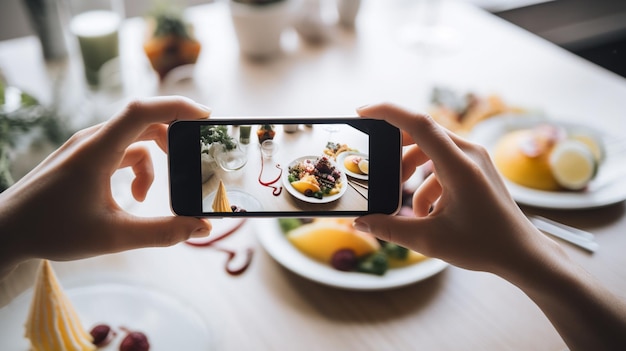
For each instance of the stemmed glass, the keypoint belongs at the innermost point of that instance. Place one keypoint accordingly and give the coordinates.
(425, 32)
(231, 159)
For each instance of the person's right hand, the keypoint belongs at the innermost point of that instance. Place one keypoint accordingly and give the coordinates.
(463, 211)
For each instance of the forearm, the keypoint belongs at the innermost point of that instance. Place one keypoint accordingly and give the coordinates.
(586, 314)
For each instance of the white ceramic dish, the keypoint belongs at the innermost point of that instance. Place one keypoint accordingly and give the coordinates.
(274, 242)
(607, 188)
(298, 195)
(342, 156)
(168, 323)
(236, 197)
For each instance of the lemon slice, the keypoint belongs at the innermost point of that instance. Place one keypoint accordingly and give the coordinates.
(595, 146)
(364, 166)
(573, 164)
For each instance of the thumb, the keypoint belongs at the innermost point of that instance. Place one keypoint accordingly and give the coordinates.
(165, 231)
(405, 231)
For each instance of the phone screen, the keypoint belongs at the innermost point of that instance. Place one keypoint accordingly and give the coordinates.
(281, 168)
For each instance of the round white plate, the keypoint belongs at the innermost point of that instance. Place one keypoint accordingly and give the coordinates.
(168, 323)
(607, 188)
(274, 242)
(342, 156)
(298, 195)
(236, 197)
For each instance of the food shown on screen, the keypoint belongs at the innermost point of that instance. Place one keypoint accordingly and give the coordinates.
(334, 149)
(548, 157)
(315, 177)
(220, 202)
(356, 164)
(337, 243)
(53, 323)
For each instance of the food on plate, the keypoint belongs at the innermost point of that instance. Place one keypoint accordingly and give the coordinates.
(461, 112)
(53, 323)
(548, 157)
(356, 164)
(220, 202)
(134, 341)
(102, 335)
(334, 149)
(573, 164)
(364, 166)
(315, 178)
(171, 42)
(337, 243)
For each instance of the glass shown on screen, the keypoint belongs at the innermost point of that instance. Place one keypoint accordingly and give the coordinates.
(314, 168)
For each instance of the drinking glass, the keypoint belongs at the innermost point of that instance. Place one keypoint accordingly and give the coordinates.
(425, 32)
(230, 160)
(96, 24)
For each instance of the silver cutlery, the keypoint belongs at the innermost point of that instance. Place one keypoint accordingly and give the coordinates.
(572, 235)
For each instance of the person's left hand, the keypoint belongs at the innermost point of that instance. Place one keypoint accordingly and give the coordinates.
(63, 209)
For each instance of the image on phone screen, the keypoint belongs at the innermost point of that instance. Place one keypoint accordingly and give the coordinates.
(284, 168)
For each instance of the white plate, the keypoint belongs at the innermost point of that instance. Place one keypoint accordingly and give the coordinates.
(607, 188)
(236, 197)
(342, 156)
(168, 323)
(275, 243)
(298, 195)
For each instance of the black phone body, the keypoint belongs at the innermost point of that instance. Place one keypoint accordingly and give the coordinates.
(284, 167)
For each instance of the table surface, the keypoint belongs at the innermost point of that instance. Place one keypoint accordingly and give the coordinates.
(268, 307)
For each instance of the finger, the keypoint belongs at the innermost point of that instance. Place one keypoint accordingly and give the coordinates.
(411, 159)
(406, 231)
(161, 231)
(433, 139)
(126, 127)
(426, 195)
(138, 158)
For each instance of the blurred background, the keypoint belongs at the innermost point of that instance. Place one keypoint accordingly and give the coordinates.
(593, 29)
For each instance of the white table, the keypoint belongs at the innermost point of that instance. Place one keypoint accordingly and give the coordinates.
(270, 308)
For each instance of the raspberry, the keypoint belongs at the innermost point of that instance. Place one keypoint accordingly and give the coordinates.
(344, 260)
(102, 335)
(135, 341)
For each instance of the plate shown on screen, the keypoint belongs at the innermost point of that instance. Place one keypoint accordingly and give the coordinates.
(608, 187)
(341, 158)
(276, 244)
(298, 195)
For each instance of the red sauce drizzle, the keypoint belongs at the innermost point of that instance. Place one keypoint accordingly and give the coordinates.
(231, 254)
(276, 190)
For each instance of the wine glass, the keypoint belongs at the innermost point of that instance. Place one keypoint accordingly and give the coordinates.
(231, 159)
(425, 32)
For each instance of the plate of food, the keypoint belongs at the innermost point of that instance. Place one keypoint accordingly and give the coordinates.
(354, 164)
(331, 252)
(554, 164)
(107, 316)
(315, 179)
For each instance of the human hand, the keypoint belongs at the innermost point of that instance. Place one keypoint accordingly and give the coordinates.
(463, 211)
(63, 209)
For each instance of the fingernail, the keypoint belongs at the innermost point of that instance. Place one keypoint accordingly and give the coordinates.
(358, 225)
(203, 107)
(200, 233)
(362, 107)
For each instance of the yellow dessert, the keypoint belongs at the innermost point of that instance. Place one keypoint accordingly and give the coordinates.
(547, 158)
(322, 238)
(220, 202)
(52, 323)
(530, 169)
(352, 164)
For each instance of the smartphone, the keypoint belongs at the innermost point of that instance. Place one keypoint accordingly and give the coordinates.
(284, 167)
